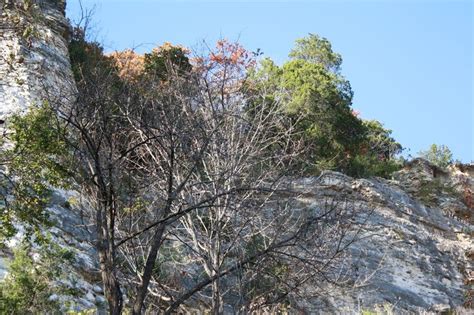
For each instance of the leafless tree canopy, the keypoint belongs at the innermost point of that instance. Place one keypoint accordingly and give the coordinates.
(184, 179)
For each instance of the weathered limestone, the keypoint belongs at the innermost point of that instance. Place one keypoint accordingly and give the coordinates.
(421, 254)
(34, 62)
(35, 67)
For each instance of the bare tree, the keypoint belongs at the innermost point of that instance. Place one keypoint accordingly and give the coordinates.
(178, 159)
(201, 154)
(218, 169)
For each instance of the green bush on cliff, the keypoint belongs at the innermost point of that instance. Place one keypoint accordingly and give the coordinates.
(311, 91)
(439, 155)
(33, 167)
(31, 285)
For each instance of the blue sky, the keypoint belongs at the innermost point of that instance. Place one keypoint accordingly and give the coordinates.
(410, 63)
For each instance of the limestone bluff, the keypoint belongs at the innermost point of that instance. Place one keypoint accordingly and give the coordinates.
(34, 68)
(34, 64)
(418, 250)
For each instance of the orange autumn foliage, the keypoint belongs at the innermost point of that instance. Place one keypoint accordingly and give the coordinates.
(130, 64)
(228, 63)
(231, 53)
(167, 46)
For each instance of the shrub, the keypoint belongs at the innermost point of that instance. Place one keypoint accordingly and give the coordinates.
(28, 287)
(439, 155)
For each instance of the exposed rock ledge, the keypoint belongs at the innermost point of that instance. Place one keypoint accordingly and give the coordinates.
(420, 247)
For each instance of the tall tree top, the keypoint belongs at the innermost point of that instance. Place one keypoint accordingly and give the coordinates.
(314, 48)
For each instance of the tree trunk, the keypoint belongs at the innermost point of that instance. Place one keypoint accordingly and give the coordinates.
(113, 294)
(105, 247)
(147, 273)
(217, 305)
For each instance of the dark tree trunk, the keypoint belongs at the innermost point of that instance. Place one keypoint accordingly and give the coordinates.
(147, 272)
(105, 247)
(112, 289)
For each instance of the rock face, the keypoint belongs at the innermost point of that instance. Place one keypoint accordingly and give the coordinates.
(34, 62)
(35, 67)
(417, 249)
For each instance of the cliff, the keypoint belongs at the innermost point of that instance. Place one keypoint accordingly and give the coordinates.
(35, 67)
(34, 61)
(416, 251)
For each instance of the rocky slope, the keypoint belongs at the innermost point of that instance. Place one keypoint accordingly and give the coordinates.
(419, 247)
(417, 250)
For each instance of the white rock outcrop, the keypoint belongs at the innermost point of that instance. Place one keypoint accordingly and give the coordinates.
(34, 60)
(35, 67)
(419, 248)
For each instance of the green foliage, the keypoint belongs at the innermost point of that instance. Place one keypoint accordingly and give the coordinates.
(87, 58)
(377, 153)
(313, 88)
(379, 140)
(166, 58)
(439, 155)
(39, 135)
(34, 166)
(31, 282)
(137, 207)
(26, 288)
(317, 50)
(313, 93)
(366, 165)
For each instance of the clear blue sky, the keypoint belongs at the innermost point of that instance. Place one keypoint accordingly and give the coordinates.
(410, 63)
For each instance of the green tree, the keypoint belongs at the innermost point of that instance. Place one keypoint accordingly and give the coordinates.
(31, 285)
(439, 155)
(312, 92)
(164, 58)
(379, 140)
(317, 50)
(33, 166)
(378, 153)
